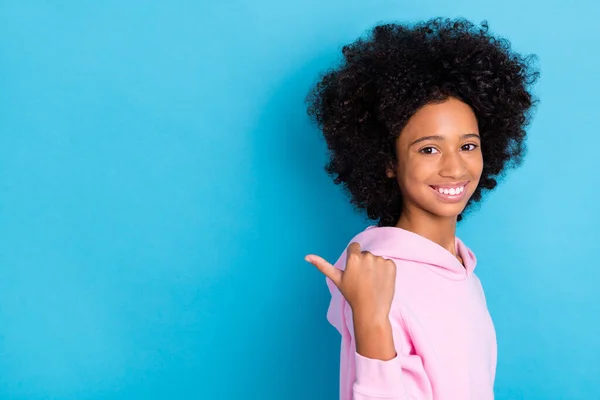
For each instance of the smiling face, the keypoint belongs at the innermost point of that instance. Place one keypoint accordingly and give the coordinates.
(439, 159)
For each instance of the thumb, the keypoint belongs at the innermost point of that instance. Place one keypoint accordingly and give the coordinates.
(326, 268)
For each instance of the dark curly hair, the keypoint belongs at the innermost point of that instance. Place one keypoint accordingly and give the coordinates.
(383, 79)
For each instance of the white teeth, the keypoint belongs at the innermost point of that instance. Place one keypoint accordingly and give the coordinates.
(452, 191)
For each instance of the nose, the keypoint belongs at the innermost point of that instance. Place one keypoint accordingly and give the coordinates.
(452, 165)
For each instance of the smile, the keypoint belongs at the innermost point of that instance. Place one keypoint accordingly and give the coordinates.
(452, 193)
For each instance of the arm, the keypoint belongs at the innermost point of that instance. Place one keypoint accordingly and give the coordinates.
(374, 338)
(376, 360)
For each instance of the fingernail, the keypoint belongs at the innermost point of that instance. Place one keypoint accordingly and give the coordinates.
(308, 259)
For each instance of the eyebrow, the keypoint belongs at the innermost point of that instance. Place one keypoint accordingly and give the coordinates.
(438, 137)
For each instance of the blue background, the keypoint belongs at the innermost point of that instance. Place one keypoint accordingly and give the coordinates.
(160, 184)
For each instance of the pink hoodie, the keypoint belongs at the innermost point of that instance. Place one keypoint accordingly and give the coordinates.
(443, 333)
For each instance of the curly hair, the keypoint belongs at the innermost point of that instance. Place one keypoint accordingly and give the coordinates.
(362, 106)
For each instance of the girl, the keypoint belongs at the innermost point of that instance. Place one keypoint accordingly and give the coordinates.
(419, 121)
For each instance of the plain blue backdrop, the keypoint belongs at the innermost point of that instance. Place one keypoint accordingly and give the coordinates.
(160, 184)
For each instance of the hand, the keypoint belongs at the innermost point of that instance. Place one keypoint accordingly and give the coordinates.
(367, 283)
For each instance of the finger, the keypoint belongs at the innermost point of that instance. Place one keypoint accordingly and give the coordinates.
(354, 248)
(326, 268)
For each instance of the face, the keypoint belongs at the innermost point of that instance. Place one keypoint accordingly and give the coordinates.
(439, 159)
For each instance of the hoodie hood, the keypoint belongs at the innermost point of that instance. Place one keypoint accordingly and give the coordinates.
(400, 244)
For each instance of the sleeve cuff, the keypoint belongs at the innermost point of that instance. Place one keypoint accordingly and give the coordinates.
(378, 377)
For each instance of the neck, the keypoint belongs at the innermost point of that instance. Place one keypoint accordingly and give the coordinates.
(441, 230)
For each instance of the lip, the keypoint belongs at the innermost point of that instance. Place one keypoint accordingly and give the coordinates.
(448, 197)
(451, 185)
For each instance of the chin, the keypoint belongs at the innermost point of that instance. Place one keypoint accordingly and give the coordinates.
(447, 211)
(448, 214)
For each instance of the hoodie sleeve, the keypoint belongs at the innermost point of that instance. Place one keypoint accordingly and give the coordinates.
(361, 378)
(401, 378)
(377, 379)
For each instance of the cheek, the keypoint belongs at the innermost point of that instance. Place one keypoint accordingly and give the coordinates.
(476, 165)
(413, 175)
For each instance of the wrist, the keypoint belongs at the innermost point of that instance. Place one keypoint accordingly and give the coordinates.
(372, 326)
(374, 338)
(372, 319)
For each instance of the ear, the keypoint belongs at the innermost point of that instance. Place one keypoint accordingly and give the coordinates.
(390, 171)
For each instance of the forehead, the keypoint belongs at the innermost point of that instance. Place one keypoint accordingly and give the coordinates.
(450, 118)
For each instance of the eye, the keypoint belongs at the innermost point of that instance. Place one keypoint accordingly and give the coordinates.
(469, 147)
(428, 150)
